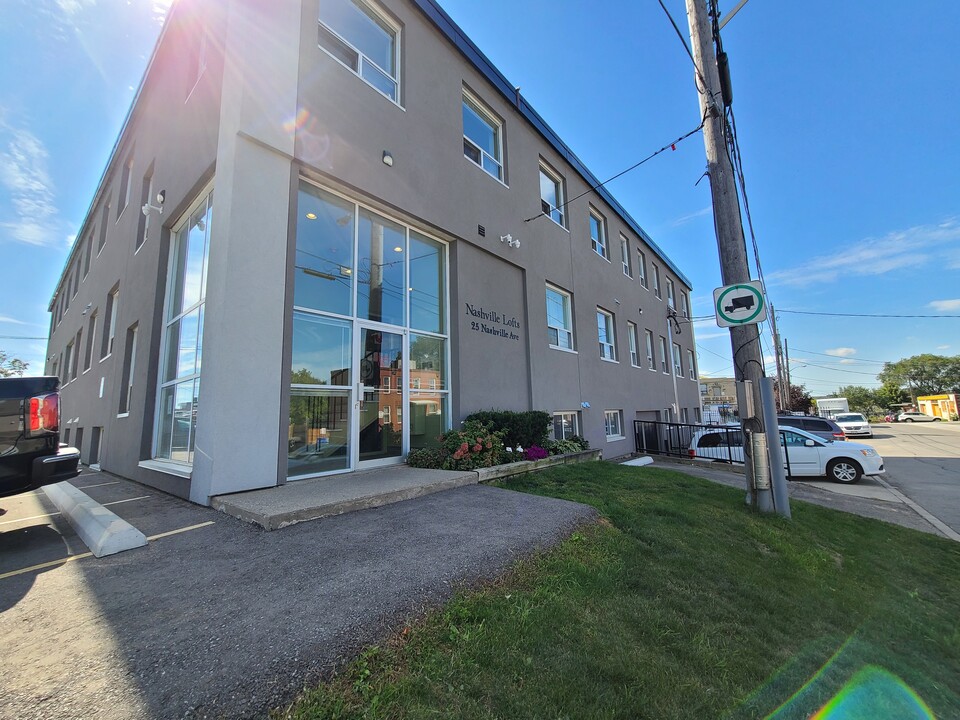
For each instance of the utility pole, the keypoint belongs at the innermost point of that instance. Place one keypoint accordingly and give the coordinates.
(734, 267)
(778, 355)
(786, 367)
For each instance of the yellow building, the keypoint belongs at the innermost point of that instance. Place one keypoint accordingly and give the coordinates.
(939, 406)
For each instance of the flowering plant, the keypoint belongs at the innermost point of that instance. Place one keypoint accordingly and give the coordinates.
(535, 452)
(473, 446)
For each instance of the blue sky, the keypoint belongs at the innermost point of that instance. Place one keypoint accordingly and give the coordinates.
(845, 115)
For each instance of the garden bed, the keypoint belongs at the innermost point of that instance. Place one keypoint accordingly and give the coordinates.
(517, 468)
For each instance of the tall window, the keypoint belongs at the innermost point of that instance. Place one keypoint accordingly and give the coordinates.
(608, 338)
(481, 137)
(671, 299)
(551, 195)
(110, 322)
(86, 256)
(91, 333)
(559, 322)
(677, 361)
(146, 195)
(183, 335)
(104, 217)
(625, 255)
(632, 337)
(129, 372)
(68, 361)
(684, 304)
(648, 337)
(598, 234)
(362, 38)
(663, 355)
(123, 198)
(642, 267)
(656, 281)
(691, 365)
(613, 424)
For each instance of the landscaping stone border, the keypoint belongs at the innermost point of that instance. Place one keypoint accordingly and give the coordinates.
(518, 468)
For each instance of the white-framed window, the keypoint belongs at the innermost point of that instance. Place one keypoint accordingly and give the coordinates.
(360, 36)
(91, 334)
(182, 345)
(642, 267)
(104, 219)
(598, 234)
(671, 297)
(663, 355)
(565, 425)
(482, 134)
(110, 321)
(656, 281)
(386, 417)
(632, 338)
(613, 424)
(86, 257)
(607, 335)
(146, 195)
(677, 361)
(551, 195)
(559, 319)
(684, 304)
(648, 338)
(129, 370)
(684, 415)
(625, 255)
(123, 198)
(68, 361)
(691, 365)
(385, 384)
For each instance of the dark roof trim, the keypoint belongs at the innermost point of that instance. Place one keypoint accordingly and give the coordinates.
(482, 63)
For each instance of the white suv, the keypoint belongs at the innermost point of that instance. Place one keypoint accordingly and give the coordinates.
(915, 416)
(854, 424)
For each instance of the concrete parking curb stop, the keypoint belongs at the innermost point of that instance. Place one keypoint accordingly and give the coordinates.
(102, 531)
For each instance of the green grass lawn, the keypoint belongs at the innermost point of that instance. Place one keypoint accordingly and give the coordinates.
(680, 603)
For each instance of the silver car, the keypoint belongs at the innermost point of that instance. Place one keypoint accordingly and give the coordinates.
(854, 425)
(916, 416)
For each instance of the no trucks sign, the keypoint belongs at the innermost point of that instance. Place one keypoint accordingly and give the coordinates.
(740, 304)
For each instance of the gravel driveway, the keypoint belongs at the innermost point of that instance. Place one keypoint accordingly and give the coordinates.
(228, 620)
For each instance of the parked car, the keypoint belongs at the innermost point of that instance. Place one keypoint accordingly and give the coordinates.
(854, 424)
(30, 451)
(819, 426)
(916, 416)
(805, 454)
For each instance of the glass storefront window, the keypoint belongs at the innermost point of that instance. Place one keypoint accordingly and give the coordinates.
(428, 365)
(322, 351)
(428, 419)
(319, 436)
(427, 284)
(380, 269)
(324, 259)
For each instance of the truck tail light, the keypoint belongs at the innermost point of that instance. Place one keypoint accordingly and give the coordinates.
(839, 436)
(44, 413)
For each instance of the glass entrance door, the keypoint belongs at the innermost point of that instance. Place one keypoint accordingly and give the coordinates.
(381, 396)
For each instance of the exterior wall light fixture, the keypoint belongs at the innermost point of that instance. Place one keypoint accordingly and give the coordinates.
(387, 158)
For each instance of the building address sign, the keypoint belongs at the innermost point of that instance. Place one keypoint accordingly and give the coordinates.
(490, 322)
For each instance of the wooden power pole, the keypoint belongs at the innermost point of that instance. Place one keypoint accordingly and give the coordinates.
(734, 267)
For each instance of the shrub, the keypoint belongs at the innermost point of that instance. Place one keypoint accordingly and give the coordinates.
(562, 447)
(535, 452)
(473, 446)
(525, 429)
(429, 458)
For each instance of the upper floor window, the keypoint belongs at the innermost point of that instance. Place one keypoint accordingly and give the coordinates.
(656, 281)
(559, 323)
(625, 255)
(691, 365)
(598, 234)
(677, 362)
(671, 296)
(123, 199)
(663, 355)
(649, 341)
(684, 304)
(632, 337)
(642, 267)
(608, 338)
(481, 137)
(362, 38)
(551, 195)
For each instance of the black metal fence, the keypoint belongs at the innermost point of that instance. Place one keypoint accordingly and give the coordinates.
(689, 440)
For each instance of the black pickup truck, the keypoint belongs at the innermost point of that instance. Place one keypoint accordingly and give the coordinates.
(30, 450)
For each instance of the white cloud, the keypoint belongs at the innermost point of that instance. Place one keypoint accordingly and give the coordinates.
(23, 173)
(14, 321)
(945, 305)
(943, 347)
(920, 246)
(841, 352)
(848, 361)
(692, 216)
(71, 8)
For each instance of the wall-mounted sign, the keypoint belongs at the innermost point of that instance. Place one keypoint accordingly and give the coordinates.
(491, 322)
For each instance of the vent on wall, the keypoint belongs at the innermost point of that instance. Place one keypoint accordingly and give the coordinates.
(482, 230)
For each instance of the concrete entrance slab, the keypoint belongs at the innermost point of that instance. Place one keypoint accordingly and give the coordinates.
(302, 500)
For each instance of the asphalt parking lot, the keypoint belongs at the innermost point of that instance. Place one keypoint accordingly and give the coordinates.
(216, 618)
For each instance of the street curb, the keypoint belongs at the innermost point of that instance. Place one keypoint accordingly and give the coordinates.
(101, 530)
(936, 522)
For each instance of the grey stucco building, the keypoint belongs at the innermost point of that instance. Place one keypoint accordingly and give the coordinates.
(343, 240)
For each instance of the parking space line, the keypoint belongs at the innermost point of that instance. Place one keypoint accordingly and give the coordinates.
(87, 487)
(71, 558)
(181, 530)
(38, 517)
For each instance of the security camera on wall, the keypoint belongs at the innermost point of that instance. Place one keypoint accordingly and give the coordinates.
(158, 208)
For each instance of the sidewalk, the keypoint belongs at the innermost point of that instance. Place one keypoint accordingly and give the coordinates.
(868, 498)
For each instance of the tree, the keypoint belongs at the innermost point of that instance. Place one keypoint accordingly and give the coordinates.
(11, 367)
(923, 374)
(861, 399)
(798, 401)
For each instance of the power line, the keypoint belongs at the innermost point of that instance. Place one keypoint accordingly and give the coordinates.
(813, 352)
(806, 312)
(672, 145)
(683, 41)
(804, 363)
